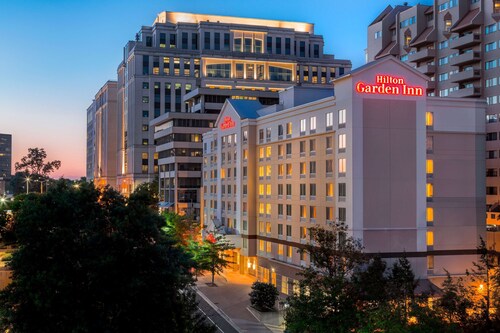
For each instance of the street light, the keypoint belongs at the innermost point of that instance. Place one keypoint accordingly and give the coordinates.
(27, 184)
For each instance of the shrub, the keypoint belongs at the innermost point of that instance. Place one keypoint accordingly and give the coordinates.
(263, 296)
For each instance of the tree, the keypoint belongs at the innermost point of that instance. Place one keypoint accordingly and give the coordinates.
(327, 298)
(401, 286)
(211, 254)
(455, 301)
(184, 229)
(263, 296)
(90, 260)
(34, 166)
(371, 283)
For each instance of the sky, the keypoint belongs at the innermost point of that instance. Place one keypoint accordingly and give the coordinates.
(56, 54)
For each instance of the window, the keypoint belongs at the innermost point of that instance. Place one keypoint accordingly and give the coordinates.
(302, 189)
(329, 166)
(217, 41)
(491, 118)
(490, 64)
(312, 190)
(302, 168)
(289, 148)
(145, 114)
(490, 28)
(342, 117)
(288, 129)
(194, 41)
(329, 189)
(302, 126)
(407, 22)
(490, 46)
(280, 131)
(430, 214)
(329, 213)
(378, 34)
(313, 124)
(342, 214)
(429, 119)
(429, 190)
(145, 99)
(491, 190)
(342, 190)
(288, 189)
(491, 136)
(312, 212)
(312, 168)
(207, 40)
(430, 262)
(342, 165)
(219, 70)
(430, 167)
(312, 146)
(145, 142)
(303, 211)
(442, 61)
(289, 231)
(329, 119)
(430, 238)
(289, 169)
(328, 143)
(288, 210)
(342, 140)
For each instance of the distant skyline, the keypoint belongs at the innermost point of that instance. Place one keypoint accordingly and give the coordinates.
(56, 55)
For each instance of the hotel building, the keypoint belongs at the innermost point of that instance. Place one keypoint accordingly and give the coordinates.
(455, 43)
(175, 77)
(102, 136)
(5, 161)
(402, 170)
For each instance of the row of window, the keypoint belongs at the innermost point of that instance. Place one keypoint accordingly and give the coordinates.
(243, 41)
(171, 94)
(170, 66)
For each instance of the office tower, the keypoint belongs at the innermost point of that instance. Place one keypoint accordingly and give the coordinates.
(102, 122)
(175, 77)
(5, 161)
(455, 44)
(403, 172)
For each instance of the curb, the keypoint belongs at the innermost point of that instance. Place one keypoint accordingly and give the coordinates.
(218, 310)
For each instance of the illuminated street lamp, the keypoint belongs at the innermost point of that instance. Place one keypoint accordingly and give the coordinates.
(27, 184)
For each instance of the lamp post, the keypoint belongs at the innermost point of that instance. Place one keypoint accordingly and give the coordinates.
(27, 184)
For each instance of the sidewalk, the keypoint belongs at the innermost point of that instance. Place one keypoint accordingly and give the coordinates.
(231, 296)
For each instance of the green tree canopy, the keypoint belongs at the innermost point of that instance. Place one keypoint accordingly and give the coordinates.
(90, 260)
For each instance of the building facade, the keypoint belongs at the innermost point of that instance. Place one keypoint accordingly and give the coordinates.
(403, 171)
(102, 136)
(5, 162)
(190, 63)
(455, 44)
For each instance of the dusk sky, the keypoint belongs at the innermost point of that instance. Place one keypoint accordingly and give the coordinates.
(56, 54)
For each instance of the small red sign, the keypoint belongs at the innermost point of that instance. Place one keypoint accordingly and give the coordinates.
(228, 122)
(389, 85)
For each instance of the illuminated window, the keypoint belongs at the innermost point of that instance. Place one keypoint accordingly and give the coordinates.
(329, 213)
(342, 117)
(430, 214)
(268, 151)
(268, 171)
(430, 262)
(407, 39)
(312, 212)
(268, 189)
(496, 6)
(342, 165)
(261, 152)
(429, 119)
(329, 119)
(261, 189)
(313, 123)
(223, 173)
(281, 170)
(302, 126)
(261, 171)
(268, 227)
(329, 189)
(268, 208)
(302, 168)
(289, 251)
(430, 167)
(261, 208)
(261, 245)
(303, 232)
(261, 227)
(284, 279)
(342, 141)
(280, 250)
(245, 154)
(281, 151)
(288, 128)
(289, 169)
(430, 238)
(430, 190)
(303, 213)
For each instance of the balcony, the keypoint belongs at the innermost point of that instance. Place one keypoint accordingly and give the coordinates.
(465, 41)
(422, 55)
(465, 59)
(427, 69)
(467, 75)
(431, 85)
(466, 92)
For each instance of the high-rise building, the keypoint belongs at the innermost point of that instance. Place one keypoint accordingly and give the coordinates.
(102, 122)
(456, 44)
(404, 172)
(176, 76)
(5, 161)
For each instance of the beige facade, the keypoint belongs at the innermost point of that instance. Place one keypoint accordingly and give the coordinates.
(456, 44)
(102, 122)
(403, 171)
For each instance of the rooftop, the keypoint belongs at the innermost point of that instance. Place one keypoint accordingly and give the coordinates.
(176, 17)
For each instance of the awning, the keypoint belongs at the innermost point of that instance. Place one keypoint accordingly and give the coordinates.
(388, 50)
(470, 20)
(427, 36)
(164, 204)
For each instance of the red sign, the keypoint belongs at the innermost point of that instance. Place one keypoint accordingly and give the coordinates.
(228, 122)
(389, 85)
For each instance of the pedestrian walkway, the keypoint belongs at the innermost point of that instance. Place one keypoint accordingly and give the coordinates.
(231, 297)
